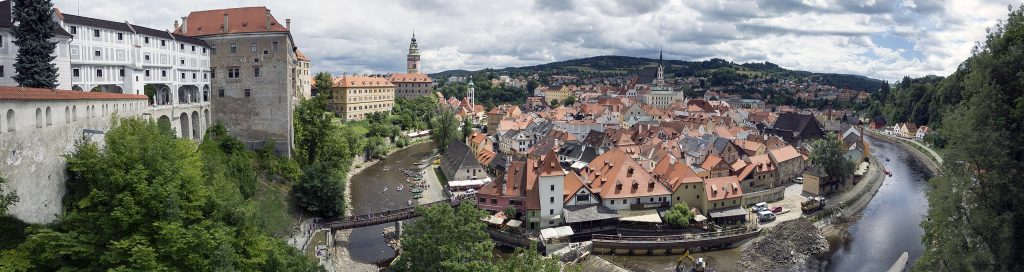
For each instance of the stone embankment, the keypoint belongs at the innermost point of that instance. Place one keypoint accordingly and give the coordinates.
(786, 247)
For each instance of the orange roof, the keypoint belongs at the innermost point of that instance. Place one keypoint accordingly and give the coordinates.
(240, 20)
(549, 166)
(397, 77)
(615, 174)
(722, 188)
(300, 56)
(710, 162)
(477, 137)
(485, 156)
(571, 184)
(361, 81)
(785, 153)
(20, 93)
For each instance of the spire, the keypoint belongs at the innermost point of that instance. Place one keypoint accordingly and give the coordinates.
(661, 55)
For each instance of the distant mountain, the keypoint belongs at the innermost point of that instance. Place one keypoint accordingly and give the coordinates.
(602, 66)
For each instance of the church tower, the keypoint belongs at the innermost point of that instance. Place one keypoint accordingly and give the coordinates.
(413, 59)
(469, 92)
(660, 80)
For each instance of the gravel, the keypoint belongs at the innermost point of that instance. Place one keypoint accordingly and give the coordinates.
(787, 247)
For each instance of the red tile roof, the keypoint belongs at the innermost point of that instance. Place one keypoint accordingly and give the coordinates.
(361, 81)
(300, 56)
(549, 166)
(240, 20)
(20, 93)
(722, 188)
(410, 78)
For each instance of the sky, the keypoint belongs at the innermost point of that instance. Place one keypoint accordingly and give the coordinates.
(885, 39)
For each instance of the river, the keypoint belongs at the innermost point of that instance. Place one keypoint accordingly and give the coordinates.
(366, 244)
(891, 223)
(888, 226)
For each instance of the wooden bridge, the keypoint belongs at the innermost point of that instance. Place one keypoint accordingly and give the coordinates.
(668, 244)
(389, 216)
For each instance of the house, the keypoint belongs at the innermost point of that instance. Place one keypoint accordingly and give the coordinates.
(479, 141)
(908, 130)
(788, 160)
(796, 128)
(623, 184)
(759, 173)
(459, 163)
(682, 180)
(724, 200)
(576, 154)
(814, 178)
(922, 131)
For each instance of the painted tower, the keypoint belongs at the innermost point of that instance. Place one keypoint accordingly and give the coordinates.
(413, 59)
(470, 92)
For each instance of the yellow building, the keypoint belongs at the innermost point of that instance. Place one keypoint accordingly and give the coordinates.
(356, 96)
(558, 92)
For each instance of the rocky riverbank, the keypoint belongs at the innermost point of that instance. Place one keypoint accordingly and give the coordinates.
(786, 247)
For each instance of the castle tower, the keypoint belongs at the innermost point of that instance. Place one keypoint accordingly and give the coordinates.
(413, 59)
(469, 92)
(660, 80)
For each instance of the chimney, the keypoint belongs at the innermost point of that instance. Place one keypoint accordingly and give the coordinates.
(176, 25)
(268, 19)
(184, 25)
(288, 24)
(224, 29)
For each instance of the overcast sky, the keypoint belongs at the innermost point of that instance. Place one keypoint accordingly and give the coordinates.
(884, 39)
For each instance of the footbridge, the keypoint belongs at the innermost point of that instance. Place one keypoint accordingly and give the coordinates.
(389, 216)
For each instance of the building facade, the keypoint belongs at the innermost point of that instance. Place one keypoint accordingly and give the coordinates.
(356, 96)
(253, 67)
(412, 85)
(9, 51)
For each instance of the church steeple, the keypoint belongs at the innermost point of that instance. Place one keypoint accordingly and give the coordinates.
(660, 80)
(413, 59)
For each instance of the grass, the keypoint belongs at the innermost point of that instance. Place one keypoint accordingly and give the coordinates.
(272, 203)
(319, 238)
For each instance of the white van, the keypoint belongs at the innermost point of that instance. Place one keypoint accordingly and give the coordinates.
(762, 206)
(765, 216)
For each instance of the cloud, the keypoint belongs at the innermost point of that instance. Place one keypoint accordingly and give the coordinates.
(878, 38)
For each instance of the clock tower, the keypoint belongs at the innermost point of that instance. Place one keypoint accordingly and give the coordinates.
(413, 59)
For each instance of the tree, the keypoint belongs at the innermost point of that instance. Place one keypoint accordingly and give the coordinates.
(828, 154)
(446, 239)
(554, 103)
(467, 127)
(444, 128)
(32, 34)
(323, 84)
(312, 125)
(679, 216)
(569, 101)
(976, 205)
(147, 201)
(6, 199)
(321, 190)
(528, 259)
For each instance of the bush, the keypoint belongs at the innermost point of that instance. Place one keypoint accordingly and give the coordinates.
(679, 216)
(321, 190)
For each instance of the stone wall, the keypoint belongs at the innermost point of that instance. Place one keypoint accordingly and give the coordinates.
(31, 152)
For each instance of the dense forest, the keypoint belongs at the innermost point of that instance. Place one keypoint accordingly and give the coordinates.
(602, 66)
(976, 205)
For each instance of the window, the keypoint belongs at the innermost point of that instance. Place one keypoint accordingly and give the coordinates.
(213, 72)
(120, 36)
(256, 73)
(74, 30)
(247, 92)
(163, 42)
(552, 187)
(233, 72)
(163, 73)
(483, 200)
(582, 197)
(220, 92)
(204, 50)
(193, 75)
(194, 49)
(121, 72)
(551, 211)
(552, 199)
(146, 57)
(252, 46)
(99, 73)
(96, 33)
(183, 47)
(204, 75)
(1, 71)
(147, 73)
(182, 75)
(234, 48)
(145, 39)
(1, 41)
(613, 202)
(494, 201)
(75, 73)
(98, 53)
(182, 61)
(213, 49)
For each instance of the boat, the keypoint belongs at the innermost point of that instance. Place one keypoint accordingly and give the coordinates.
(886, 159)
(384, 190)
(399, 188)
(416, 190)
(887, 172)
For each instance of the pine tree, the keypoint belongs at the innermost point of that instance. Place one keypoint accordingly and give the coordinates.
(32, 33)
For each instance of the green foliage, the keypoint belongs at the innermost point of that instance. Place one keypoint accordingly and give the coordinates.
(527, 259)
(976, 205)
(149, 202)
(376, 147)
(328, 151)
(569, 101)
(276, 168)
(312, 125)
(225, 157)
(415, 114)
(7, 198)
(323, 82)
(511, 212)
(679, 216)
(321, 190)
(12, 232)
(444, 129)
(32, 33)
(827, 153)
(467, 127)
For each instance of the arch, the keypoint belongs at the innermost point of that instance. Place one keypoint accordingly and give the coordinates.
(67, 114)
(185, 131)
(206, 93)
(206, 115)
(195, 126)
(49, 117)
(39, 118)
(161, 94)
(164, 123)
(74, 113)
(77, 88)
(12, 125)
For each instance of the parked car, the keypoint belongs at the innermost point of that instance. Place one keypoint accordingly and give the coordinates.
(777, 209)
(471, 191)
(761, 206)
(799, 180)
(765, 216)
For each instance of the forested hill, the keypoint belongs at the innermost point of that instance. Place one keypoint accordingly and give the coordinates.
(602, 66)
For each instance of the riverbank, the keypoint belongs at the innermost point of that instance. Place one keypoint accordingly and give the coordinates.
(340, 249)
(932, 161)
